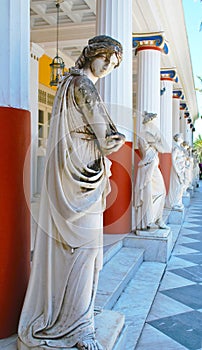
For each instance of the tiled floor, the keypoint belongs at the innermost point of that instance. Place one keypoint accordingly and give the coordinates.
(175, 319)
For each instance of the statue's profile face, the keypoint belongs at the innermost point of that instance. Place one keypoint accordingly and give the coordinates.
(103, 64)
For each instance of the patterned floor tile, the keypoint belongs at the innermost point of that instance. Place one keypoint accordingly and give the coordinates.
(169, 282)
(189, 224)
(188, 238)
(152, 339)
(166, 307)
(188, 295)
(194, 245)
(196, 258)
(196, 235)
(176, 262)
(181, 249)
(193, 273)
(185, 328)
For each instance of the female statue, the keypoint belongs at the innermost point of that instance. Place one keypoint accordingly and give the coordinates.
(177, 175)
(150, 188)
(58, 310)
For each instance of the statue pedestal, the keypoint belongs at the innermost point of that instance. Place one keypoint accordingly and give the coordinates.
(186, 199)
(176, 216)
(157, 243)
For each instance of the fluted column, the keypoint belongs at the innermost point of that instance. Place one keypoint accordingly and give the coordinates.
(188, 128)
(114, 18)
(35, 52)
(183, 108)
(168, 77)
(148, 48)
(177, 95)
(14, 161)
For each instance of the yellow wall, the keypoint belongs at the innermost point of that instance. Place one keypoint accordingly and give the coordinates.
(44, 71)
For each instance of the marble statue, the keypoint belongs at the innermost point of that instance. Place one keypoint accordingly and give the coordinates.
(195, 169)
(177, 174)
(188, 167)
(58, 311)
(150, 189)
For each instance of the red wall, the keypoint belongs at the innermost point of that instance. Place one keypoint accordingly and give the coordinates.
(117, 216)
(165, 162)
(15, 216)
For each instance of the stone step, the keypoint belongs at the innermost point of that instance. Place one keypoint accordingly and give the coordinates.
(137, 298)
(109, 325)
(115, 276)
(111, 250)
(121, 343)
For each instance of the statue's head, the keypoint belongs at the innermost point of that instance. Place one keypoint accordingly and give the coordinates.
(178, 138)
(98, 46)
(148, 117)
(185, 144)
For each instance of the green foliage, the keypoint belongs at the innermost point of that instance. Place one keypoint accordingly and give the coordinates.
(198, 147)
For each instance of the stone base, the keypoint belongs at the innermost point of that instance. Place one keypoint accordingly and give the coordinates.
(186, 199)
(157, 243)
(176, 216)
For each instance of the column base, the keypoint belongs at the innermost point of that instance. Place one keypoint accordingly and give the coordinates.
(176, 216)
(157, 243)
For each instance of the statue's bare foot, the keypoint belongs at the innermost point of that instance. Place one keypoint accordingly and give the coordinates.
(90, 344)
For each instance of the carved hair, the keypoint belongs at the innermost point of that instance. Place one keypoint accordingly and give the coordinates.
(148, 117)
(185, 144)
(176, 137)
(101, 44)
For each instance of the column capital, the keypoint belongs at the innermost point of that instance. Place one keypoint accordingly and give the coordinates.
(183, 105)
(178, 93)
(169, 74)
(150, 41)
(186, 114)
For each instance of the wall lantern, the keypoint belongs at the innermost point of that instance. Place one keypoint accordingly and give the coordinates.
(57, 65)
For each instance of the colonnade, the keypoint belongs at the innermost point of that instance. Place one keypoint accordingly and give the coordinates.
(154, 94)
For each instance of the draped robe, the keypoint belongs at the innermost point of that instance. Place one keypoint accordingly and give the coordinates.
(177, 177)
(59, 303)
(149, 188)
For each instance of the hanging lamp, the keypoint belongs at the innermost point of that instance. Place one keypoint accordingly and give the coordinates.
(57, 65)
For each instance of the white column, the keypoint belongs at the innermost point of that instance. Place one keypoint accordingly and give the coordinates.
(114, 18)
(183, 106)
(36, 53)
(148, 49)
(176, 111)
(14, 57)
(187, 129)
(168, 76)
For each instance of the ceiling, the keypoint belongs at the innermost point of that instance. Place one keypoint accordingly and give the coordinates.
(77, 23)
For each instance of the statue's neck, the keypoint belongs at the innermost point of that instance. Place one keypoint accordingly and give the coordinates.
(90, 75)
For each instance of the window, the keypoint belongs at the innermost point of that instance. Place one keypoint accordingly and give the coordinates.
(45, 98)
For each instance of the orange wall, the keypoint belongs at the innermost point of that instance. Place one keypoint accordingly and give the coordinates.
(44, 71)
